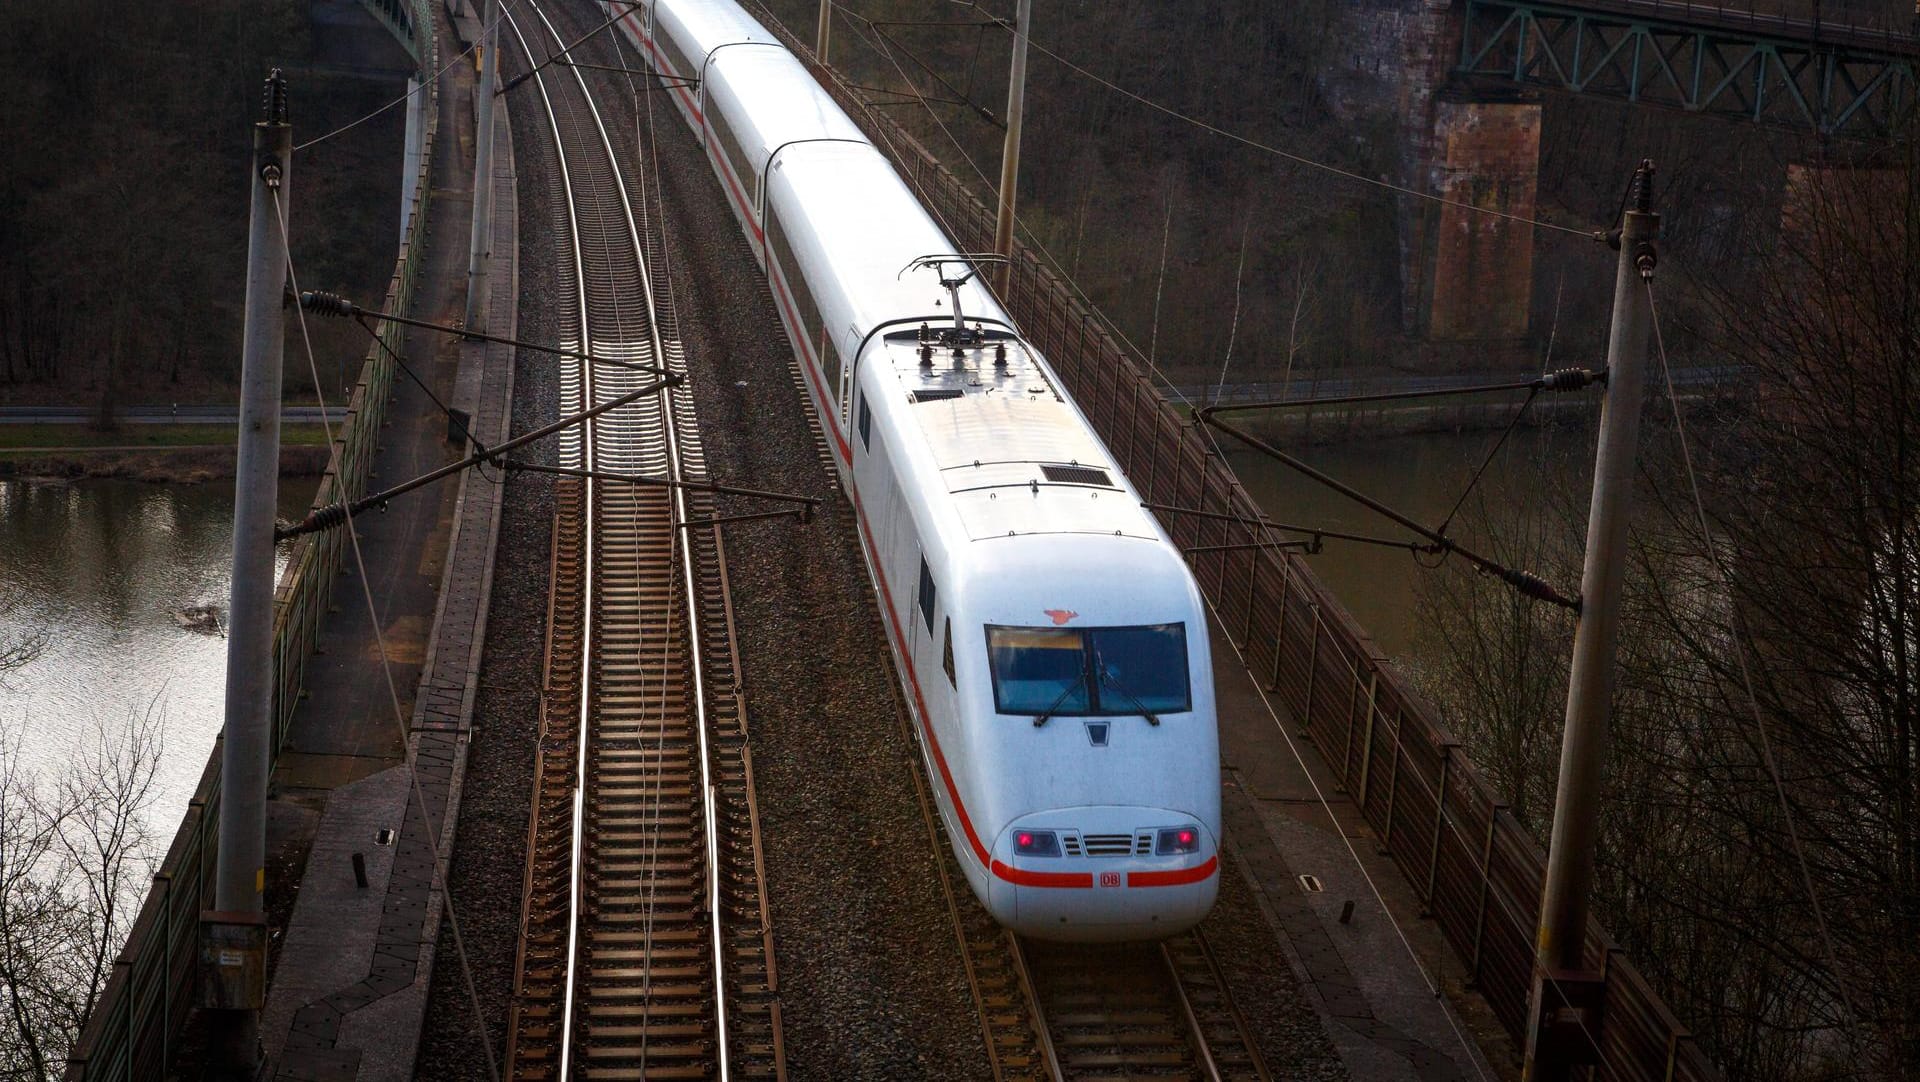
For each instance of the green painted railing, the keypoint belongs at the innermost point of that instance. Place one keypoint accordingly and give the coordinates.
(133, 1028)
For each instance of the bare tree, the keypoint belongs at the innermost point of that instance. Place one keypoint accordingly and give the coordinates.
(75, 852)
(1761, 850)
(21, 641)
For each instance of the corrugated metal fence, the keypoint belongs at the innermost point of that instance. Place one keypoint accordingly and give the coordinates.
(1475, 868)
(134, 1025)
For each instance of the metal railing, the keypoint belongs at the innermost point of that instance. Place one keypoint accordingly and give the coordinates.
(131, 1031)
(1831, 78)
(1476, 869)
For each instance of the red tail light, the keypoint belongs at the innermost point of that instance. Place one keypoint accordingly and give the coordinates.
(1176, 840)
(1036, 843)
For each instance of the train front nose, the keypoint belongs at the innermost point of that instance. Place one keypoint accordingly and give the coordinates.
(1102, 874)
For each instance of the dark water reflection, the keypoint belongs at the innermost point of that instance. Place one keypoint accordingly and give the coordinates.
(1421, 476)
(103, 567)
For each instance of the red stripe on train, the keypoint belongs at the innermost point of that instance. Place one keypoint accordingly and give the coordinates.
(1175, 878)
(1020, 877)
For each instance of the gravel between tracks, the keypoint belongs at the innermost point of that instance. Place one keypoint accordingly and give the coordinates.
(871, 977)
(1279, 1016)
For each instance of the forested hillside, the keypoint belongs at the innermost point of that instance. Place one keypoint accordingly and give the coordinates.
(123, 198)
(1109, 183)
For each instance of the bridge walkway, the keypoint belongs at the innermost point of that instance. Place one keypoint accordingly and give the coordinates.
(348, 989)
(1308, 854)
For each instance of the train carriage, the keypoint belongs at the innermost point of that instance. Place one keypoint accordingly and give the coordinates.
(1051, 641)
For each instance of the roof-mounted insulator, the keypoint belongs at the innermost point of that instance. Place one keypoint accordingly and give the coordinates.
(273, 98)
(326, 304)
(1000, 355)
(1570, 379)
(926, 356)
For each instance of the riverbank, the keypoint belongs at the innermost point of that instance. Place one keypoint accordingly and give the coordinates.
(162, 454)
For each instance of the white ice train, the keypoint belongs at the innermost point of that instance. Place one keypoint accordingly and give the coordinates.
(1052, 643)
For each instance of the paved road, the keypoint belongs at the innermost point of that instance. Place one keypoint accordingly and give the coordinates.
(159, 415)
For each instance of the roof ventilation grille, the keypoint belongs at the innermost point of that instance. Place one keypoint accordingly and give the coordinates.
(938, 394)
(1077, 475)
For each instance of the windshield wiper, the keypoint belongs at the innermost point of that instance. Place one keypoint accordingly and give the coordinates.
(1041, 719)
(1107, 677)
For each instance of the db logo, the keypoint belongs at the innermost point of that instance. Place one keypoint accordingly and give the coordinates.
(1109, 879)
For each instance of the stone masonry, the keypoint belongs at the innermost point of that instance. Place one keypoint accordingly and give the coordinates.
(1486, 154)
(1393, 59)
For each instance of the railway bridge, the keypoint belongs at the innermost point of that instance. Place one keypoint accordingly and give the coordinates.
(1466, 83)
(693, 837)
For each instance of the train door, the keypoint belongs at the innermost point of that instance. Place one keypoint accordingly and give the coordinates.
(850, 359)
(704, 102)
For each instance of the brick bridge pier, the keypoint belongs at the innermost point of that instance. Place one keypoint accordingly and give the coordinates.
(1464, 277)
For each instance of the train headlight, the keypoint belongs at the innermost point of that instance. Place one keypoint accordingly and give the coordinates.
(1176, 840)
(1036, 843)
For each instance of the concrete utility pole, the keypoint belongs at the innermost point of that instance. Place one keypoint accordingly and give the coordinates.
(1566, 995)
(233, 935)
(480, 244)
(826, 27)
(1010, 157)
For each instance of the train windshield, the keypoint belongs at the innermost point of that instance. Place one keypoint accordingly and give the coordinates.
(1085, 672)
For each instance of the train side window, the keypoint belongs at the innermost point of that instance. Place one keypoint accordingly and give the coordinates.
(866, 424)
(926, 593)
(946, 652)
(677, 62)
(730, 147)
(804, 309)
(830, 364)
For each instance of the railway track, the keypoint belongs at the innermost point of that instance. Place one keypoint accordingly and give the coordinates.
(645, 949)
(1137, 1011)
(1053, 1012)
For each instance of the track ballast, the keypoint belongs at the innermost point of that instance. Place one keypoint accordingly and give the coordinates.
(645, 948)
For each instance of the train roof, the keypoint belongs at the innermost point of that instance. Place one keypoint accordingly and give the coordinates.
(800, 111)
(850, 192)
(715, 22)
(1014, 455)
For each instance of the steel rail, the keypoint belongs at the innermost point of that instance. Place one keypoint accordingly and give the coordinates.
(1197, 1036)
(1036, 1011)
(632, 732)
(676, 469)
(586, 458)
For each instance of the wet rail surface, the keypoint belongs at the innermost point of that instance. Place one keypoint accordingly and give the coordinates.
(645, 947)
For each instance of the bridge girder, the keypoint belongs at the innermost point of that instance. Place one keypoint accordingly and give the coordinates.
(1836, 81)
(401, 18)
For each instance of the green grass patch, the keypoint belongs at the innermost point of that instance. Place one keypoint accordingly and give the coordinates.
(144, 437)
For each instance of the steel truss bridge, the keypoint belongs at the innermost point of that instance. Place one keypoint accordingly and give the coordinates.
(1834, 79)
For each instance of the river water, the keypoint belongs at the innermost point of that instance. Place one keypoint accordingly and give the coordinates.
(103, 566)
(1422, 476)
